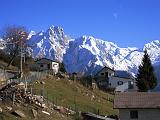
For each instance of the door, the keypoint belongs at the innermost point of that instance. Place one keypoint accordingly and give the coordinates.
(49, 67)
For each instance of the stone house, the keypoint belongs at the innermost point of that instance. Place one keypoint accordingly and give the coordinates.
(45, 64)
(102, 77)
(138, 105)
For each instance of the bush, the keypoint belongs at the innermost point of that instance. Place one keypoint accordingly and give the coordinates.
(113, 116)
(86, 81)
(110, 90)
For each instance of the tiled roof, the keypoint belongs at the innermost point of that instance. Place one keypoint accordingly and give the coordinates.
(137, 100)
(46, 59)
(123, 74)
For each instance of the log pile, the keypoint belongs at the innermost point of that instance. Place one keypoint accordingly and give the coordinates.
(16, 92)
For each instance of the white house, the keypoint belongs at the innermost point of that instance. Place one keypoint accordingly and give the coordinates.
(120, 78)
(44, 64)
(138, 105)
(122, 81)
(115, 81)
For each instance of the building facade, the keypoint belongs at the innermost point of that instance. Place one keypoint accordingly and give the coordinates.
(115, 81)
(138, 105)
(45, 64)
(102, 77)
(109, 78)
(139, 114)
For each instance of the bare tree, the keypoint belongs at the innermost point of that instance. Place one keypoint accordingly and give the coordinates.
(16, 41)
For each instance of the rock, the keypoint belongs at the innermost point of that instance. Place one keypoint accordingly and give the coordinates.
(22, 85)
(34, 113)
(1, 110)
(62, 110)
(39, 99)
(46, 112)
(71, 112)
(57, 107)
(25, 105)
(92, 97)
(42, 82)
(19, 113)
(9, 108)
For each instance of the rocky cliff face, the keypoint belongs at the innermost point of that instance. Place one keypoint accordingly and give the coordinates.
(51, 44)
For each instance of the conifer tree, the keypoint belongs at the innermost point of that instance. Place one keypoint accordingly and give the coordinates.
(146, 80)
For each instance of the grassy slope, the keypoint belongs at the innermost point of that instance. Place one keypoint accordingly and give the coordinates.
(67, 93)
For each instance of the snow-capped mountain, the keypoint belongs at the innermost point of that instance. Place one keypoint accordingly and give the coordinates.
(153, 49)
(87, 54)
(51, 44)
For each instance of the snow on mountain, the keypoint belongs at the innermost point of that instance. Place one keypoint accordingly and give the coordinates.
(2, 44)
(51, 44)
(153, 49)
(87, 54)
(31, 34)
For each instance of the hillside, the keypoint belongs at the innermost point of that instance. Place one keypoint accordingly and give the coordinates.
(63, 93)
(73, 95)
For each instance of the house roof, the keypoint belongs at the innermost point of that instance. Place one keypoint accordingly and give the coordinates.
(123, 74)
(137, 100)
(46, 59)
(108, 68)
(104, 68)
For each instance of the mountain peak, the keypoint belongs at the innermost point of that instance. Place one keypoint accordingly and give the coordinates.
(152, 45)
(157, 42)
(55, 30)
(87, 37)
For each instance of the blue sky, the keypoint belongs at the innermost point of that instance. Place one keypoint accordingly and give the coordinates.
(125, 22)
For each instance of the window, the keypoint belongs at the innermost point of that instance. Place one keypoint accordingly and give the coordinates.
(102, 73)
(134, 114)
(106, 74)
(130, 85)
(41, 65)
(54, 65)
(48, 66)
(120, 82)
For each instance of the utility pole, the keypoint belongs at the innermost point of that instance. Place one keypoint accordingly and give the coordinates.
(21, 70)
(75, 105)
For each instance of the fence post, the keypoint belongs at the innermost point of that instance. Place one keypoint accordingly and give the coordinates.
(75, 106)
(13, 98)
(47, 97)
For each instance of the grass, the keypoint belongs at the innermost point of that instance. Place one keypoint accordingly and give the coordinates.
(73, 95)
